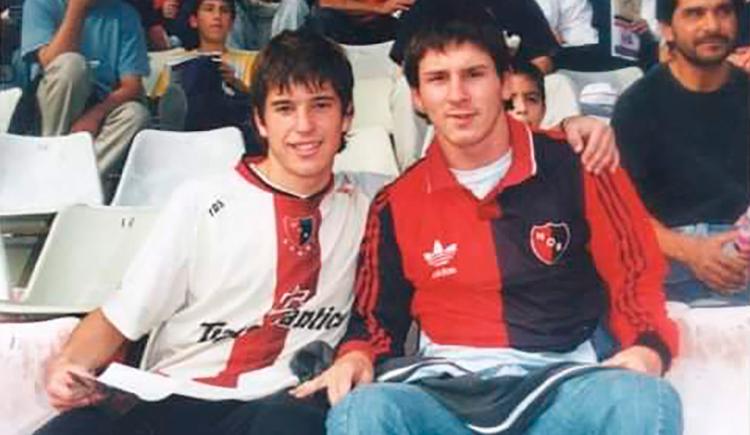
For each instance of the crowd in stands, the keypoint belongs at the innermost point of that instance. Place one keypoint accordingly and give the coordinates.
(525, 252)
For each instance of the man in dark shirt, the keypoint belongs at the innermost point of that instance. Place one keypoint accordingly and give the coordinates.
(684, 130)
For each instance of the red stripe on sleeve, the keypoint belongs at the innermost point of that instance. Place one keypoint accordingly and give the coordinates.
(627, 256)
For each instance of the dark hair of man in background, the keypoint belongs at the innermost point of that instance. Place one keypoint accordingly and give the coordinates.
(665, 9)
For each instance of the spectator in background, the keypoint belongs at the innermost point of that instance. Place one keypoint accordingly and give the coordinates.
(684, 129)
(177, 23)
(208, 105)
(92, 56)
(570, 21)
(358, 22)
(291, 15)
(522, 18)
(598, 57)
(153, 24)
(252, 25)
(525, 98)
(741, 55)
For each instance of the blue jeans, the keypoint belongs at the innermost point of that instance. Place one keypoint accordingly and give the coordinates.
(682, 286)
(604, 402)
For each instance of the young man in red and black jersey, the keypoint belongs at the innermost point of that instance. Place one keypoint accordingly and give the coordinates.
(498, 244)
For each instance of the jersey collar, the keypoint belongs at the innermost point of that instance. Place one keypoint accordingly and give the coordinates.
(522, 167)
(243, 167)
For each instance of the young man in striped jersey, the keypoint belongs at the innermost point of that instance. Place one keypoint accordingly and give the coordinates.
(499, 244)
(240, 272)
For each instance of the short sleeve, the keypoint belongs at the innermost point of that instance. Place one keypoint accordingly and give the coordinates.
(133, 54)
(39, 23)
(155, 285)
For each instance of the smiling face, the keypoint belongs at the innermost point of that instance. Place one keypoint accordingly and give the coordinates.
(213, 20)
(303, 127)
(702, 32)
(460, 91)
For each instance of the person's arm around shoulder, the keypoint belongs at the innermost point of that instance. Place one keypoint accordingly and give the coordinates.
(594, 140)
(92, 344)
(68, 35)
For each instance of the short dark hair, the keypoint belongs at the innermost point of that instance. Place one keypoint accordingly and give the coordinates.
(300, 57)
(197, 4)
(454, 22)
(530, 70)
(665, 9)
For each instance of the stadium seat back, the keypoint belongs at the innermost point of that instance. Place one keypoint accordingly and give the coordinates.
(371, 61)
(159, 161)
(83, 259)
(47, 173)
(562, 99)
(620, 79)
(367, 150)
(8, 100)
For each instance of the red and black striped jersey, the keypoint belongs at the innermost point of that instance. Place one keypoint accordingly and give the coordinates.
(534, 266)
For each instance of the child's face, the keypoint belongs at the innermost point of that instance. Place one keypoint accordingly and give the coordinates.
(528, 104)
(213, 20)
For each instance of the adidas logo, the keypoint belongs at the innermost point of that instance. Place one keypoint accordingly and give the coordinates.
(440, 255)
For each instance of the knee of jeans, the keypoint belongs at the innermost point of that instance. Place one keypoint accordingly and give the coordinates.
(71, 67)
(643, 399)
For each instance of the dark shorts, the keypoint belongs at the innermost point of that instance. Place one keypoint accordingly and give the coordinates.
(279, 414)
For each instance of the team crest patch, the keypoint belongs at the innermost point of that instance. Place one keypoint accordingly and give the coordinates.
(549, 241)
(299, 233)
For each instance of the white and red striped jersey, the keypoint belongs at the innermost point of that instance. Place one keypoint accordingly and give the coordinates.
(237, 276)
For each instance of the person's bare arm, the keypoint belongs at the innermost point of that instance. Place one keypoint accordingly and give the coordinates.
(365, 6)
(68, 36)
(705, 257)
(594, 140)
(69, 376)
(129, 88)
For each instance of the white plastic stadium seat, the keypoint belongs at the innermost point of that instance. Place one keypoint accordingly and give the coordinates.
(4, 275)
(620, 79)
(370, 61)
(562, 99)
(382, 98)
(159, 161)
(367, 150)
(82, 261)
(8, 100)
(712, 371)
(47, 173)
